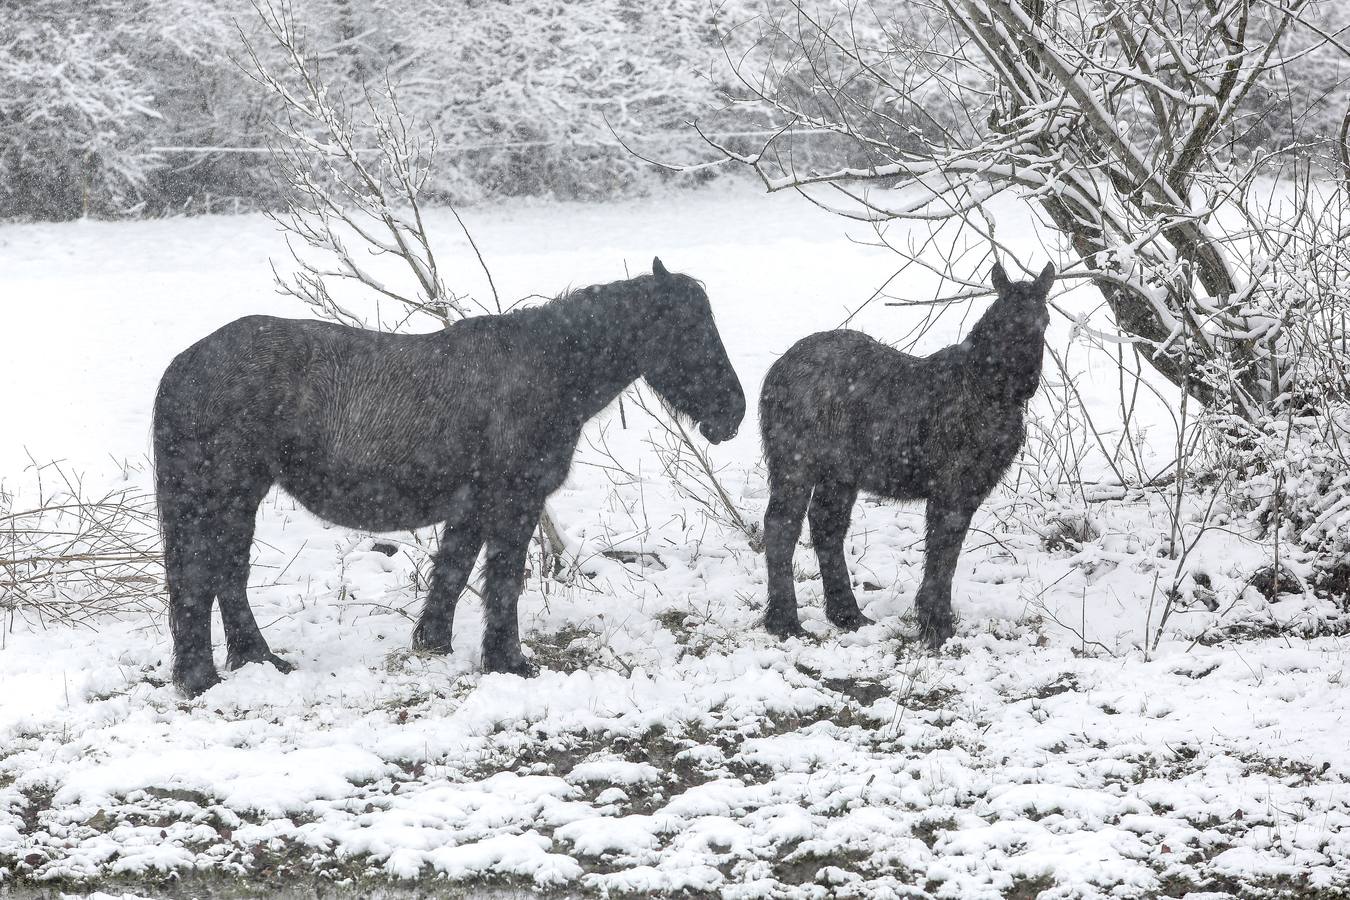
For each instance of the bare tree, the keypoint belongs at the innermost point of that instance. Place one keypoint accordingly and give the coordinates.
(353, 186)
(355, 183)
(1127, 123)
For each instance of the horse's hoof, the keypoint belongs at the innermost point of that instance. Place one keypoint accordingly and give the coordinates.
(935, 633)
(235, 661)
(785, 630)
(195, 680)
(850, 620)
(514, 666)
(425, 642)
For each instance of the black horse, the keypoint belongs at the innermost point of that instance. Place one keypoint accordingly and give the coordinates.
(473, 426)
(841, 412)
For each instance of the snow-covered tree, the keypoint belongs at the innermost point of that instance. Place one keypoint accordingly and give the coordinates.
(523, 93)
(1127, 123)
(87, 90)
(73, 112)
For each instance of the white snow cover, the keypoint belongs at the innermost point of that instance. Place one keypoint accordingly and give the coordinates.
(669, 744)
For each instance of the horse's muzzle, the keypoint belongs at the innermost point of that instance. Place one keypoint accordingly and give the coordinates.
(716, 433)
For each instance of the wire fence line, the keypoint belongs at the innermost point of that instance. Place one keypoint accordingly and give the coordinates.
(509, 145)
(233, 199)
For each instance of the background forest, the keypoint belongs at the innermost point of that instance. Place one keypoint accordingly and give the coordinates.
(520, 95)
(516, 93)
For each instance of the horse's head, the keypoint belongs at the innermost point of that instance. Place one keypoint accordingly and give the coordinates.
(1022, 304)
(685, 361)
(1008, 341)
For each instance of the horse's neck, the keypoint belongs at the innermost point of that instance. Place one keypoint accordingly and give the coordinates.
(596, 350)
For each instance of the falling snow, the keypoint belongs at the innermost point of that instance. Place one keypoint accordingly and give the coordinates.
(668, 744)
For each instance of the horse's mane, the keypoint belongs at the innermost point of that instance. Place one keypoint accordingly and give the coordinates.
(585, 309)
(583, 306)
(597, 305)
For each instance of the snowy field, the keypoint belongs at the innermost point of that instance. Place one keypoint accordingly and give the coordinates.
(669, 744)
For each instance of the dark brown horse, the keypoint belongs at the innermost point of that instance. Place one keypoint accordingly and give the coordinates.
(841, 412)
(473, 426)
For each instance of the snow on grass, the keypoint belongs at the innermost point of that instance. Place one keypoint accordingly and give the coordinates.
(669, 744)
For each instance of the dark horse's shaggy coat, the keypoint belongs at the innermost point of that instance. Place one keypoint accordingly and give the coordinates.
(841, 412)
(473, 426)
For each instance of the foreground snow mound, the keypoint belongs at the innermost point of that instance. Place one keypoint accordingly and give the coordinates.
(670, 745)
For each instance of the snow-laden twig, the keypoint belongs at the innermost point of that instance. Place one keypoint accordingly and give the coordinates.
(71, 556)
(690, 469)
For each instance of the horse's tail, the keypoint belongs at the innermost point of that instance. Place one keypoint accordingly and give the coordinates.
(214, 412)
(769, 407)
(777, 404)
(177, 452)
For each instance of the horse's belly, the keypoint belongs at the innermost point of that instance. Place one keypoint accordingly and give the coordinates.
(900, 477)
(371, 501)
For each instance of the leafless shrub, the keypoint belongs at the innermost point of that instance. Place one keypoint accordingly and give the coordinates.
(355, 175)
(72, 555)
(690, 469)
(1294, 464)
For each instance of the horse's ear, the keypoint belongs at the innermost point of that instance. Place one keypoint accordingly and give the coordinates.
(659, 270)
(999, 278)
(1046, 278)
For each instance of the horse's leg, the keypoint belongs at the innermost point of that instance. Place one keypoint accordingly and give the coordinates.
(450, 570)
(788, 500)
(947, 522)
(190, 566)
(831, 508)
(244, 641)
(508, 528)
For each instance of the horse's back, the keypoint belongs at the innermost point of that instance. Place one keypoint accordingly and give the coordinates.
(347, 420)
(388, 400)
(233, 386)
(842, 405)
(220, 382)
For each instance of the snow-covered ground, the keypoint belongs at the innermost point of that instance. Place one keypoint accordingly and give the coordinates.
(669, 744)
